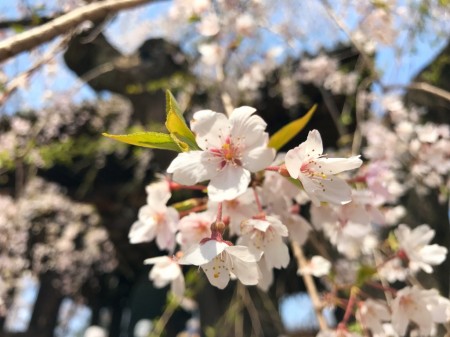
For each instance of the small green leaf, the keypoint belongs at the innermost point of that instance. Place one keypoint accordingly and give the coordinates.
(365, 273)
(177, 127)
(154, 140)
(287, 132)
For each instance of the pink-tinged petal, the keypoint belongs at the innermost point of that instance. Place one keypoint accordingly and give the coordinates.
(231, 182)
(258, 159)
(334, 190)
(158, 192)
(189, 168)
(330, 166)
(202, 253)
(277, 254)
(217, 272)
(244, 253)
(312, 147)
(246, 129)
(265, 276)
(293, 161)
(211, 129)
(165, 238)
(246, 272)
(298, 228)
(141, 232)
(172, 219)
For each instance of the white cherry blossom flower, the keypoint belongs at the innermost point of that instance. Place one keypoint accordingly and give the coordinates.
(414, 243)
(193, 228)
(156, 220)
(167, 270)
(266, 236)
(346, 226)
(316, 172)
(238, 209)
(220, 261)
(317, 266)
(416, 305)
(372, 314)
(232, 148)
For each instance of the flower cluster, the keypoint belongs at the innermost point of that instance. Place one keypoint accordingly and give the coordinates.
(253, 212)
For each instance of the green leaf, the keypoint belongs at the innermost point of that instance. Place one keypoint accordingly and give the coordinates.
(287, 132)
(179, 131)
(365, 273)
(154, 140)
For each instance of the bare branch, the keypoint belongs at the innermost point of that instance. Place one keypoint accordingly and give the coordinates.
(310, 286)
(36, 36)
(28, 21)
(421, 86)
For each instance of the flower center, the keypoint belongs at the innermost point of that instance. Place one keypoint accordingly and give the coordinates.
(229, 152)
(308, 169)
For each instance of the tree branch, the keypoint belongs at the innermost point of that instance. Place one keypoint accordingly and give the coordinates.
(36, 36)
(28, 21)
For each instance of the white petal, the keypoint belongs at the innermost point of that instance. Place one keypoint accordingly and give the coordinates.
(433, 254)
(217, 272)
(211, 129)
(313, 144)
(258, 159)
(231, 182)
(293, 161)
(157, 259)
(246, 272)
(189, 168)
(243, 253)
(329, 166)
(246, 129)
(202, 253)
(265, 277)
(277, 254)
(141, 232)
(334, 190)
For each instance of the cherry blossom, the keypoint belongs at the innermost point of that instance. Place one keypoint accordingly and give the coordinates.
(232, 148)
(346, 226)
(193, 228)
(155, 219)
(372, 314)
(241, 208)
(419, 306)
(316, 172)
(167, 270)
(414, 243)
(265, 235)
(221, 261)
(317, 266)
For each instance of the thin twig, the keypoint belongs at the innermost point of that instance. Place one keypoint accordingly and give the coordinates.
(164, 319)
(421, 86)
(310, 285)
(251, 309)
